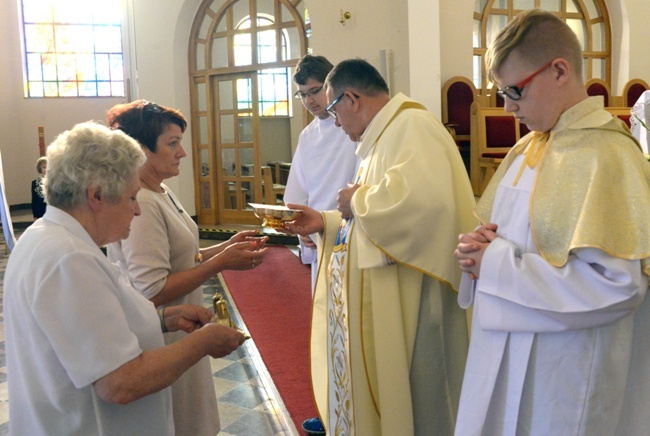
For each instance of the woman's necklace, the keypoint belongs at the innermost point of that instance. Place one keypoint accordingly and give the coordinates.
(198, 257)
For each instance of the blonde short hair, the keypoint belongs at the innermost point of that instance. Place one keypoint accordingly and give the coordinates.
(538, 37)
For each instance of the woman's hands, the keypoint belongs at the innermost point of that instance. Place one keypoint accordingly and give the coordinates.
(221, 340)
(248, 236)
(158, 368)
(242, 251)
(186, 317)
(242, 255)
(243, 236)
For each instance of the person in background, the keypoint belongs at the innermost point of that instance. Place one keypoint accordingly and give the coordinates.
(388, 340)
(162, 253)
(558, 272)
(325, 159)
(38, 198)
(85, 351)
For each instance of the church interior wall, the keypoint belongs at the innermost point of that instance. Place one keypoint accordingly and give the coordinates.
(420, 57)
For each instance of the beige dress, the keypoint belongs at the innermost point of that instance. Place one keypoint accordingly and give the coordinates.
(165, 240)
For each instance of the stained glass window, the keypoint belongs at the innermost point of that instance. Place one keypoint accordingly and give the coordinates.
(73, 48)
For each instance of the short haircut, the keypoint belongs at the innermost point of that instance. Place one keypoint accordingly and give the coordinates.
(538, 37)
(90, 155)
(356, 74)
(144, 121)
(39, 164)
(312, 67)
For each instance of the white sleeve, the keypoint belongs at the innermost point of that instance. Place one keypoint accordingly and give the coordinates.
(296, 189)
(523, 292)
(80, 312)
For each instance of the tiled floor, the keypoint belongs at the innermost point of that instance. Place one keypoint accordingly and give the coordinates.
(249, 403)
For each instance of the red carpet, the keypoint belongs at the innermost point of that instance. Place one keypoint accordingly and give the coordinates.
(274, 300)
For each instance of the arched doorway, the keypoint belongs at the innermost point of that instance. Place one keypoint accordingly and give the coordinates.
(589, 19)
(241, 54)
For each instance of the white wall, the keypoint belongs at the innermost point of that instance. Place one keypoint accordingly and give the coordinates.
(637, 64)
(162, 29)
(375, 25)
(422, 59)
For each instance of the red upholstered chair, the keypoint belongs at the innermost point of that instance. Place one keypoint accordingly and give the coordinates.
(621, 112)
(499, 133)
(626, 118)
(495, 99)
(458, 94)
(633, 90)
(494, 132)
(598, 87)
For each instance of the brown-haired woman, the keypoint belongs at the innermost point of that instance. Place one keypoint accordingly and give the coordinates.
(162, 253)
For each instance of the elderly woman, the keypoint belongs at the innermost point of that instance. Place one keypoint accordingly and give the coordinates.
(162, 253)
(85, 351)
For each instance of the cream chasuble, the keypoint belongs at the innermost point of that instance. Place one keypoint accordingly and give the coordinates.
(388, 339)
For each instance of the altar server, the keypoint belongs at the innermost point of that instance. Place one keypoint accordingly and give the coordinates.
(559, 332)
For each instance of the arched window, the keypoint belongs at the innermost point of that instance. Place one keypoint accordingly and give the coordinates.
(73, 48)
(273, 86)
(588, 19)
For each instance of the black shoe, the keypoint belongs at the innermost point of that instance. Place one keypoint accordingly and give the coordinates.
(313, 426)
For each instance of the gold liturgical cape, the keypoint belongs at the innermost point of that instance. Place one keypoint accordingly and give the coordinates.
(408, 337)
(588, 189)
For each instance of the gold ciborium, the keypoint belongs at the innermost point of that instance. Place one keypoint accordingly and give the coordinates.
(274, 216)
(222, 314)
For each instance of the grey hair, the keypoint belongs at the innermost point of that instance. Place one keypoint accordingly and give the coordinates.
(90, 155)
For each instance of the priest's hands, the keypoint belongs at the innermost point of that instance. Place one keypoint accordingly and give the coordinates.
(345, 198)
(472, 246)
(307, 242)
(308, 222)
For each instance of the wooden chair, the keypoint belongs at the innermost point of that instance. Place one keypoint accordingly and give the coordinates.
(599, 87)
(633, 91)
(280, 171)
(230, 193)
(495, 99)
(458, 94)
(271, 190)
(494, 132)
